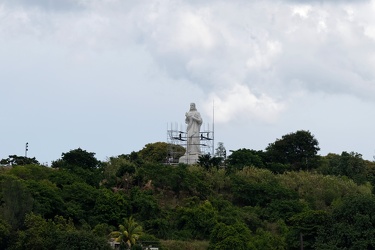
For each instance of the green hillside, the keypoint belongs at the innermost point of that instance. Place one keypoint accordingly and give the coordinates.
(280, 198)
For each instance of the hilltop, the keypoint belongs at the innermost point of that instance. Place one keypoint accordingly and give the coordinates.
(279, 198)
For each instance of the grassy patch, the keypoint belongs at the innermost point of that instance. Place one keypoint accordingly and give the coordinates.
(184, 245)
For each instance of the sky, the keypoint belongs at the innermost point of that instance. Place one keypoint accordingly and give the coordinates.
(110, 76)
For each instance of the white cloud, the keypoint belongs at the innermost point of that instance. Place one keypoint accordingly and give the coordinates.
(301, 11)
(238, 103)
(191, 33)
(264, 59)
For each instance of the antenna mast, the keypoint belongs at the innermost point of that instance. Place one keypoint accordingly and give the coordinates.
(213, 127)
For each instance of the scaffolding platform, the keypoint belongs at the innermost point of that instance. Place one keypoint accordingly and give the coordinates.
(176, 136)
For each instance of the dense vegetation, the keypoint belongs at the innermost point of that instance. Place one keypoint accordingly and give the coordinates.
(280, 198)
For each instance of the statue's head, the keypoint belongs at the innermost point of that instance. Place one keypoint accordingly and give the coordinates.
(192, 106)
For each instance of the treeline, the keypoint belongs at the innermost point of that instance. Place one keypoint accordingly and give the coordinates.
(284, 197)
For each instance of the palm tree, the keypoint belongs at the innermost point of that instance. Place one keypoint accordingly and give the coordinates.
(128, 233)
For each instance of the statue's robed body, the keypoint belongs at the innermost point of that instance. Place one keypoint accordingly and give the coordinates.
(194, 121)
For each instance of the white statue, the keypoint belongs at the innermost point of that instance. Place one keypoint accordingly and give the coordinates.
(194, 121)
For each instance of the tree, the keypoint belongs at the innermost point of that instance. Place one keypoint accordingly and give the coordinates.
(244, 158)
(250, 193)
(77, 158)
(298, 149)
(4, 233)
(221, 151)
(351, 225)
(128, 233)
(110, 207)
(47, 198)
(143, 204)
(370, 172)
(58, 234)
(16, 201)
(81, 163)
(266, 240)
(15, 160)
(81, 239)
(208, 162)
(282, 209)
(198, 220)
(63, 177)
(306, 225)
(38, 234)
(80, 199)
(118, 172)
(31, 172)
(348, 164)
(321, 191)
(234, 237)
(160, 152)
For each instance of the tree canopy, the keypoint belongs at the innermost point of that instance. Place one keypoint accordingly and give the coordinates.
(15, 160)
(298, 149)
(79, 158)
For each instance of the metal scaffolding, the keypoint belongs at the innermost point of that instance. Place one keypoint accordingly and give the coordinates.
(177, 136)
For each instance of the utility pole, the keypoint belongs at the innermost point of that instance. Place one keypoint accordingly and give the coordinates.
(26, 149)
